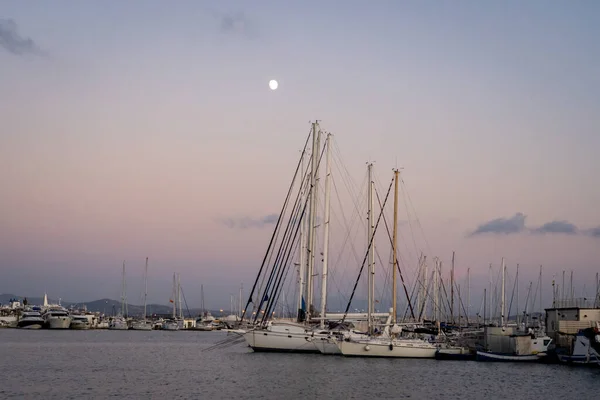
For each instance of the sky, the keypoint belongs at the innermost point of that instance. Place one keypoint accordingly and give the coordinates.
(147, 129)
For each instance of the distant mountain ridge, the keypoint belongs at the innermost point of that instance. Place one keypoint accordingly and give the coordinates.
(109, 306)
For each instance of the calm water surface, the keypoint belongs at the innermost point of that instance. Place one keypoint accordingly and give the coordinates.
(170, 365)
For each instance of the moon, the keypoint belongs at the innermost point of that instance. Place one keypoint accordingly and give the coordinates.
(273, 84)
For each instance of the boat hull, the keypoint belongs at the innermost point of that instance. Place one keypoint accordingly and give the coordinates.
(398, 349)
(58, 323)
(454, 354)
(141, 326)
(590, 361)
(267, 341)
(327, 346)
(498, 357)
(30, 324)
(79, 326)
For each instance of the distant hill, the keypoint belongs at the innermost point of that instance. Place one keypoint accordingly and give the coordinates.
(109, 306)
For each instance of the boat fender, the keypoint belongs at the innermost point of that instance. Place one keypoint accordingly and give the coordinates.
(367, 348)
(391, 346)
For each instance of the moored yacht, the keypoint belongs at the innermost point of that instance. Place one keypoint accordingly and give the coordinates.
(30, 320)
(57, 318)
(282, 336)
(80, 322)
(118, 323)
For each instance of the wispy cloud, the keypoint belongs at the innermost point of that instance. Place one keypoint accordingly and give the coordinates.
(234, 23)
(248, 222)
(514, 224)
(594, 232)
(13, 42)
(557, 227)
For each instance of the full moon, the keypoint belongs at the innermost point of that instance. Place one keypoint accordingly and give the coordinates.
(273, 84)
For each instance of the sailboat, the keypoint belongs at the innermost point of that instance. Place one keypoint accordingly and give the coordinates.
(521, 346)
(174, 323)
(287, 336)
(389, 344)
(143, 325)
(119, 322)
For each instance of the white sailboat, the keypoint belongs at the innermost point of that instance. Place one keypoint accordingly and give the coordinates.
(119, 322)
(284, 336)
(389, 344)
(143, 325)
(174, 323)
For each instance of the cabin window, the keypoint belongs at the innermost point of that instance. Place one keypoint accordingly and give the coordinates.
(546, 342)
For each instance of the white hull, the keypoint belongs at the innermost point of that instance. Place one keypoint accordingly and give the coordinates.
(263, 340)
(386, 348)
(118, 325)
(141, 326)
(58, 322)
(170, 326)
(32, 326)
(79, 326)
(487, 356)
(327, 346)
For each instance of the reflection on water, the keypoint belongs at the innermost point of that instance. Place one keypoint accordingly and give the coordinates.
(170, 365)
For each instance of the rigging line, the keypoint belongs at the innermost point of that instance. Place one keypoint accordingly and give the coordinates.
(412, 313)
(275, 287)
(277, 266)
(406, 202)
(415, 211)
(185, 301)
(276, 227)
(297, 228)
(367, 252)
(262, 288)
(273, 270)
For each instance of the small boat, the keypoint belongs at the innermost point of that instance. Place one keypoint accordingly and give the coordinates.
(142, 325)
(30, 320)
(490, 356)
(118, 324)
(585, 349)
(57, 318)
(454, 353)
(79, 322)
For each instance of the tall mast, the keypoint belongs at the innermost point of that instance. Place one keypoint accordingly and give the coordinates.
(571, 291)
(145, 288)
(202, 300)
(179, 296)
(452, 290)
(435, 289)
(395, 250)
(597, 302)
(503, 299)
(468, 294)
(240, 311)
(371, 266)
(425, 288)
(302, 270)
(490, 316)
(326, 232)
(174, 296)
(123, 289)
(312, 219)
(541, 305)
(517, 290)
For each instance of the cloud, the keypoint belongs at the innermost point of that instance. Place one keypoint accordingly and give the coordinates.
(514, 224)
(233, 23)
(594, 232)
(557, 227)
(248, 222)
(13, 42)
